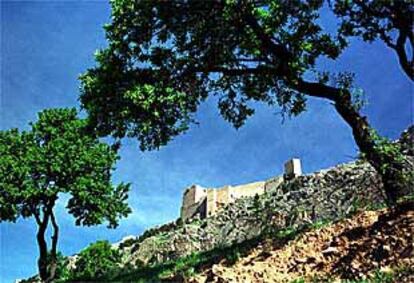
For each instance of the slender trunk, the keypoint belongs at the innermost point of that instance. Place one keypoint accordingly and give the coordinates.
(52, 264)
(47, 263)
(42, 262)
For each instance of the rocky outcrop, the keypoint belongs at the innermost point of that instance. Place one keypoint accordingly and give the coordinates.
(328, 194)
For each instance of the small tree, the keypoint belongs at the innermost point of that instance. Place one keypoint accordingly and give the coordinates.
(58, 156)
(165, 57)
(391, 21)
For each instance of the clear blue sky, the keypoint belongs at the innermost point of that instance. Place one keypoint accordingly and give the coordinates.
(45, 45)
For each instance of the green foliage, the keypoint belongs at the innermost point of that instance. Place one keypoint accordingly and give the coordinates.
(392, 157)
(256, 203)
(165, 58)
(288, 233)
(96, 261)
(387, 147)
(382, 277)
(186, 266)
(320, 224)
(161, 238)
(62, 271)
(59, 155)
(376, 277)
(128, 243)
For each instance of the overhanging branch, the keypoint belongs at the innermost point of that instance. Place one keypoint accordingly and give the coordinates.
(402, 55)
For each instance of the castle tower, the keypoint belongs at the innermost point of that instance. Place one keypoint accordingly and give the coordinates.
(193, 199)
(293, 168)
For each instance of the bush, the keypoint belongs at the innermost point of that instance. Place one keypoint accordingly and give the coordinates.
(62, 272)
(96, 261)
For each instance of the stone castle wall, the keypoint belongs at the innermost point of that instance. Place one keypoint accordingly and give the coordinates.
(205, 202)
(247, 190)
(193, 202)
(329, 194)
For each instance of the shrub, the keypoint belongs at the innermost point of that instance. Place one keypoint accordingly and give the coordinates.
(62, 272)
(96, 261)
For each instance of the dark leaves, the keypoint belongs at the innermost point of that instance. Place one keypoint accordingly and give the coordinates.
(166, 57)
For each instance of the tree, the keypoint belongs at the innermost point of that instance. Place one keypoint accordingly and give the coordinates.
(391, 21)
(165, 57)
(58, 156)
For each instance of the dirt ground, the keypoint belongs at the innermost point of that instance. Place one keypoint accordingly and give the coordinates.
(351, 248)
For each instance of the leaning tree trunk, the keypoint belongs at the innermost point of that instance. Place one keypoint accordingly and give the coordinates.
(388, 166)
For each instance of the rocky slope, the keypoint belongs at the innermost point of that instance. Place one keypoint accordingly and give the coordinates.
(357, 247)
(329, 195)
(326, 196)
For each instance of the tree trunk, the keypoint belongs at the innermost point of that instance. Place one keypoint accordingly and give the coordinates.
(47, 263)
(387, 166)
(42, 262)
(52, 264)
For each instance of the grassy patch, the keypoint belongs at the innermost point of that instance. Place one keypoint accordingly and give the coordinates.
(192, 264)
(161, 238)
(188, 266)
(319, 224)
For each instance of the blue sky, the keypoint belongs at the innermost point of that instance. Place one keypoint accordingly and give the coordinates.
(45, 45)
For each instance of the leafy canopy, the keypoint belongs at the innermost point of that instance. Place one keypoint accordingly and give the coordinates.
(58, 155)
(165, 57)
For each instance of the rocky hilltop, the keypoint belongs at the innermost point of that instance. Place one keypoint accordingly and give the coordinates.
(329, 194)
(326, 196)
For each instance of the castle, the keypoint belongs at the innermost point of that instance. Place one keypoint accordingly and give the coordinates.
(204, 202)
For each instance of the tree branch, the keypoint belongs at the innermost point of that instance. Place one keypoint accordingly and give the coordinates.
(278, 50)
(37, 217)
(402, 56)
(318, 90)
(314, 89)
(55, 233)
